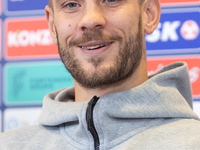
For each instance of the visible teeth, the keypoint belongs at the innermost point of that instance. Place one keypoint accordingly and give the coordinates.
(93, 47)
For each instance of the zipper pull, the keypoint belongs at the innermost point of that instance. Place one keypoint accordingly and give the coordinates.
(89, 116)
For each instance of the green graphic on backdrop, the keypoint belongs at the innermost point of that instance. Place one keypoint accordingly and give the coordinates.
(29, 83)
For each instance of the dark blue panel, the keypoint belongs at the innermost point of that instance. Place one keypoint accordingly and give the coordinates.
(176, 31)
(24, 5)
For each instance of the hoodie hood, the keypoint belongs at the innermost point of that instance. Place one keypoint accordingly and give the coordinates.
(166, 94)
(164, 97)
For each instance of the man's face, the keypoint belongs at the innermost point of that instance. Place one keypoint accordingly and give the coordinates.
(100, 42)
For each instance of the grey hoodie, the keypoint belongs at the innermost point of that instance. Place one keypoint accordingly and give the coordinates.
(156, 115)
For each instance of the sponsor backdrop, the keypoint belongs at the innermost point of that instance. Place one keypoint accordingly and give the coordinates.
(30, 66)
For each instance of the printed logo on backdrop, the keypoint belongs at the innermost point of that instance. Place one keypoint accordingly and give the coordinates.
(176, 33)
(156, 63)
(29, 83)
(179, 2)
(19, 117)
(24, 7)
(28, 38)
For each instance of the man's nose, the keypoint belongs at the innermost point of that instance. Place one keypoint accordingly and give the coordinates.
(93, 18)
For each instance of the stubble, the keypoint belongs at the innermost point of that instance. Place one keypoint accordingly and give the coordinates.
(124, 65)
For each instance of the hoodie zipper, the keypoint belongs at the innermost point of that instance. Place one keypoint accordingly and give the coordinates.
(90, 122)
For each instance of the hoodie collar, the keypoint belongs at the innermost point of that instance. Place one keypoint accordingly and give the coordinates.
(166, 94)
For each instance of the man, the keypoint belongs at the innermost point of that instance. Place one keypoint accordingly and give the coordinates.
(113, 104)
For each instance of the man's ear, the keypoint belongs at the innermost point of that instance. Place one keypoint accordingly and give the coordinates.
(50, 20)
(152, 11)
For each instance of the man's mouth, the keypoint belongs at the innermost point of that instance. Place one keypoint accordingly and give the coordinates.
(94, 47)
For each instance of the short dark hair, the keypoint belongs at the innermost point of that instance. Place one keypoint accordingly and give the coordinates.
(50, 3)
(140, 2)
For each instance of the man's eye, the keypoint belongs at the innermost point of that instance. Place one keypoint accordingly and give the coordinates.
(111, 1)
(72, 5)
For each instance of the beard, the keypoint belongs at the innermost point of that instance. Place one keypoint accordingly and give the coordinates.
(126, 61)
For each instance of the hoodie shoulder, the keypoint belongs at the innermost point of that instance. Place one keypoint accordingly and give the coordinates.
(31, 138)
(183, 134)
